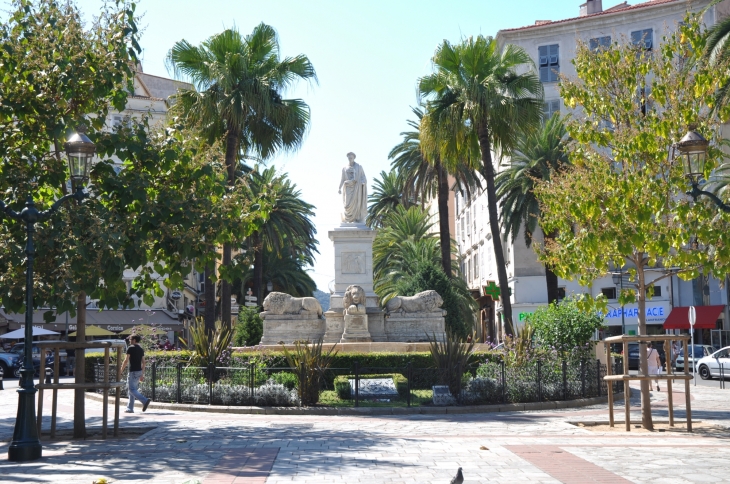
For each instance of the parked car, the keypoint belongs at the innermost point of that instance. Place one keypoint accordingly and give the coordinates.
(10, 363)
(634, 355)
(696, 352)
(100, 349)
(710, 366)
(19, 348)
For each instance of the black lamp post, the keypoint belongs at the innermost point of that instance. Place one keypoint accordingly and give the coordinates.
(26, 445)
(618, 279)
(693, 150)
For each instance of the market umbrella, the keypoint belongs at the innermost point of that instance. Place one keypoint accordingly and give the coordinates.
(143, 330)
(20, 333)
(95, 331)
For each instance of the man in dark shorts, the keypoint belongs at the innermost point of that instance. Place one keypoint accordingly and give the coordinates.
(135, 358)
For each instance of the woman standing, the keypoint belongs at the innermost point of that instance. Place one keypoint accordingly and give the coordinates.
(654, 363)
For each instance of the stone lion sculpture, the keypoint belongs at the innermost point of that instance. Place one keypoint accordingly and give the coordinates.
(423, 302)
(354, 300)
(282, 303)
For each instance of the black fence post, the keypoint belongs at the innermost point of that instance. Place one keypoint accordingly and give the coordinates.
(598, 376)
(583, 378)
(409, 375)
(504, 382)
(251, 381)
(539, 381)
(565, 380)
(154, 380)
(211, 375)
(357, 383)
(179, 382)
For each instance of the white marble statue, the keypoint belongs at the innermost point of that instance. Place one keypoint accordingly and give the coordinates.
(277, 303)
(423, 302)
(354, 300)
(355, 194)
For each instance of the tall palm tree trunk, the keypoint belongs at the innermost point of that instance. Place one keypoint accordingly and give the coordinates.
(231, 151)
(209, 317)
(443, 206)
(488, 174)
(258, 268)
(551, 279)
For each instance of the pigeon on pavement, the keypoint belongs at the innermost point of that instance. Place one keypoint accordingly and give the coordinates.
(459, 478)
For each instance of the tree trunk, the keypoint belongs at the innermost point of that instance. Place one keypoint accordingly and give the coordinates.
(488, 174)
(231, 151)
(209, 317)
(258, 268)
(80, 369)
(643, 362)
(551, 279)
(443, 206)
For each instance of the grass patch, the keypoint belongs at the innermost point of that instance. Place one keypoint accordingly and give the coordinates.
(329, 398)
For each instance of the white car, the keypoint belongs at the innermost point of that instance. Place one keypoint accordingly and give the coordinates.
(710, 366)
(700, 351)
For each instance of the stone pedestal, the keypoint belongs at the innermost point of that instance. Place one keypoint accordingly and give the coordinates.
(356, 329)
(414, 327)
(292, 327)
(353, 262)
(334, 326)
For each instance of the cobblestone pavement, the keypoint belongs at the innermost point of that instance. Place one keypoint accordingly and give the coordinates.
(510, 447)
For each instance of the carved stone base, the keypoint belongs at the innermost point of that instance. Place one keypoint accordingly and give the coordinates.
(290, 328)
(334, 327)
(356, 329)
(413, 327)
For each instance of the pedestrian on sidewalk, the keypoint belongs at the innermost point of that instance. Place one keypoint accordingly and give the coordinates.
(70, 361)
(654, 363)
(135, 358)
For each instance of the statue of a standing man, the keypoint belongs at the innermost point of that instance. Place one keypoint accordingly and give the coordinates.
(355, 194)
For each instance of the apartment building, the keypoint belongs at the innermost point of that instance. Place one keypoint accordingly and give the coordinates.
(552, 46)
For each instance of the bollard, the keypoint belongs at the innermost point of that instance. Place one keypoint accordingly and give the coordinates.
(2, 374)
(49, 373)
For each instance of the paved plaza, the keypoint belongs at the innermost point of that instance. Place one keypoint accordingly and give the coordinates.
(507, 447)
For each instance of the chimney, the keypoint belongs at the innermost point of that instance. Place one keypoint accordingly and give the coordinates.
(594, 6)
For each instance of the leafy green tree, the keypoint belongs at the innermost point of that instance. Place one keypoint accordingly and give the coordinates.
(459, 304)
(240, 81)
(623, 200)
(564, 326)
(716, 51)
(478, 94)
(249, 328)
(537, 156)
(426, 177)
(288, 233)
(387, 195)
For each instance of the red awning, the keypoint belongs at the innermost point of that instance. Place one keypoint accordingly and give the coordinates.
(706, 317)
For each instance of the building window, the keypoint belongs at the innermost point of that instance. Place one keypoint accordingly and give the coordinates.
(463, 232)
(657, 291)
(609, 292)
(468, 219)
(599, 43)
(549, 108)
(468, 269)
(561, 293)
(476, 266)
(549, 62)
(642, 39)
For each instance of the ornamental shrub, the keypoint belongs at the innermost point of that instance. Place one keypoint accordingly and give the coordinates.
(249, 327)
(564, 326)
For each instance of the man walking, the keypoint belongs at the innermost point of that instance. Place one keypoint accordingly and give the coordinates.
(135, 358)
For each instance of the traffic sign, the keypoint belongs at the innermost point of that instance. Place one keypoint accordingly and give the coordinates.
(250, 304)
(250, 298)
(175, 295)
(692, 316)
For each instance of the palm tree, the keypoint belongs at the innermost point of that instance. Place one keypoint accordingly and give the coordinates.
(717, 52)
(289, 230)
(536, 157)
(425, 177)
(239, 82)
(477, 93)
(285, 270)
(387, 195)
(404, 241)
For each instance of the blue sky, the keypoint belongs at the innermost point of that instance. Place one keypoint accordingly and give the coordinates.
(368, 56)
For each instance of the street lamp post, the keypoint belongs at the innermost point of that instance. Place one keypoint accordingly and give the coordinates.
(26, 445)
(618, 279)
(693, 150)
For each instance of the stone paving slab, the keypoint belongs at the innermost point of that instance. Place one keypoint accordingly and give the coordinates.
(233, 448)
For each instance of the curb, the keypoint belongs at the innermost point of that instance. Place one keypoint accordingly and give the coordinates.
(367, 411)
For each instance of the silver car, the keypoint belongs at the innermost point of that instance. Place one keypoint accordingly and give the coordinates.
(699, 351)
(715, 365)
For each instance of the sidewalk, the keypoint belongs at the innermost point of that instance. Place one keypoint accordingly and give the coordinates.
(509, 447)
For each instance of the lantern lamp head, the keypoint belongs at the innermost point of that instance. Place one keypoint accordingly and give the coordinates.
(79, 151)
(693, 150)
